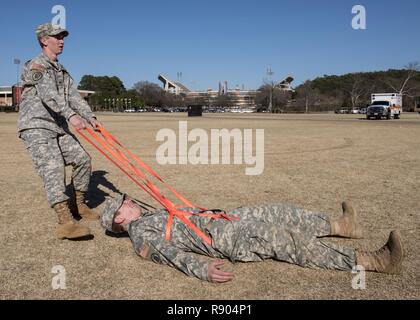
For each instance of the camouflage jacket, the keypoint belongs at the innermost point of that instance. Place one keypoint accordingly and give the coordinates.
(49, 97)
(148, 237)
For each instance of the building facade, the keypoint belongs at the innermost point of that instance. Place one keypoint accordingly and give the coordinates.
(10, 96)
(6, 96)
(233, 98)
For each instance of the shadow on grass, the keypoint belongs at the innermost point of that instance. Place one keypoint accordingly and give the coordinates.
(85, 238)
(117, 235)
(95, 196)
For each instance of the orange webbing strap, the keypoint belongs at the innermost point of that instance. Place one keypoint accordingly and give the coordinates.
(110, 139)
(122, 161)
(117, 165)
(182, 216)
(133, 172)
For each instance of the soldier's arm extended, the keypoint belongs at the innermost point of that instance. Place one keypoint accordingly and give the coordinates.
(78, 104)
(36, 77)
(163, 252)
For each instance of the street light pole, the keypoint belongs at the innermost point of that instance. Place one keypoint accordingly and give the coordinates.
(270, 105)
(17, 92)
(17, 63)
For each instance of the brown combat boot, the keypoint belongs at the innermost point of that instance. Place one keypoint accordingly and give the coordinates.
(84, 211)
(388, 259)
(347, 225)
(67, 227)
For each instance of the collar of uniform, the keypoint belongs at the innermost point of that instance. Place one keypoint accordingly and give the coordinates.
(132, 225)
(143, 214)
(55, 64)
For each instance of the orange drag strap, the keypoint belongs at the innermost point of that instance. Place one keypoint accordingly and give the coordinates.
(109, 137)
(109, 143)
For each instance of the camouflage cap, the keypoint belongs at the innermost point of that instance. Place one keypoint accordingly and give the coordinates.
(109, 211)
(49, 29)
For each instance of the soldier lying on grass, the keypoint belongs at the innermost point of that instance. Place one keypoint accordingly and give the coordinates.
(273, 231)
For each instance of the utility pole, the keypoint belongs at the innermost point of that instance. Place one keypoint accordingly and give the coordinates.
(16, 92)
(17, 63)
(179, 76)
(270, 105)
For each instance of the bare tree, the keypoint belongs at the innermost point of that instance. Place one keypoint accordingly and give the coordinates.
(151, 93)
(279, 98)
(405, 87)
(307, 95)
(355, 89)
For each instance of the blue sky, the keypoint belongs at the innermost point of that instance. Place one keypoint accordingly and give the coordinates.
(212, 41)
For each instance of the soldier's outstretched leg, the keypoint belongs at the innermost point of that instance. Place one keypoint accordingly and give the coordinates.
(43, 147)
(256, 241)
(301, 220)
(75, 155)
(287, 216)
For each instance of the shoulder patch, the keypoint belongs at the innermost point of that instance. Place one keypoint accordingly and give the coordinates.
(155, 258)
(36, 66)
(147, 251)
(36, 75)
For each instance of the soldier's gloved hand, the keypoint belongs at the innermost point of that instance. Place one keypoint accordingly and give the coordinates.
(216, 275)
(77, 122)
(95, 124)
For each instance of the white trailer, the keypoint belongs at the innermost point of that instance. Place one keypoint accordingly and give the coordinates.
(385, 105)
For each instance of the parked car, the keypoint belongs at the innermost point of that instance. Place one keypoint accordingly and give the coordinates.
(342, 110)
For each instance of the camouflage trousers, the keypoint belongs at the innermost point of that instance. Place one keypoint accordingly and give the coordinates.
(50, 154)
(281, 232)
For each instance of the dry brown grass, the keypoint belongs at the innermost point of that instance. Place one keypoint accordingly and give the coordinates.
(314, 161)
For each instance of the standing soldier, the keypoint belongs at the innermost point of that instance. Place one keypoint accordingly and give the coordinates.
(50, 100)
(278, 231)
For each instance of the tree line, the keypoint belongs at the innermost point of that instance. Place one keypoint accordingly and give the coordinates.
(111, 94)
(354, 89)
(325, 93)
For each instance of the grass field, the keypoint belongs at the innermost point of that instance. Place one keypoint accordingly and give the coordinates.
(314, 161)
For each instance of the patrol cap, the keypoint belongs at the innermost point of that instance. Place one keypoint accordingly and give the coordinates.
(49, 29)
(109, 211)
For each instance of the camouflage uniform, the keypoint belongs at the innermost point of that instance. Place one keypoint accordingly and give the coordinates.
(273, 231)
(49, 99)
